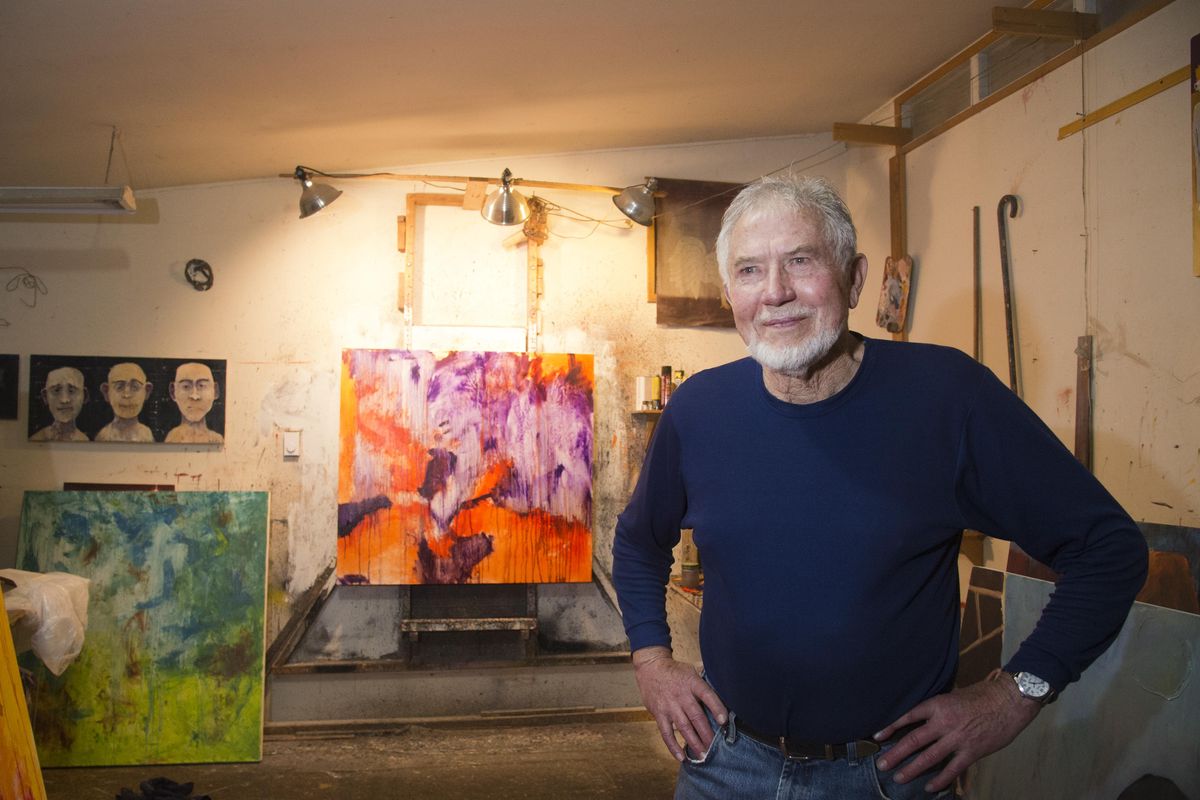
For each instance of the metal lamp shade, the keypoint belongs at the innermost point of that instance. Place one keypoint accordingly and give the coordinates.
(314, 197)
(505, 207)
(637, 202)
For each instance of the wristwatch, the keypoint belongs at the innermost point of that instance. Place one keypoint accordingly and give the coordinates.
(1033, 687)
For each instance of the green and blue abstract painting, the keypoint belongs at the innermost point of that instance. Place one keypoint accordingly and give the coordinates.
(172, 665)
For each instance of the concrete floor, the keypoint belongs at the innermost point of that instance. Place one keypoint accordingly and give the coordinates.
(584, 760)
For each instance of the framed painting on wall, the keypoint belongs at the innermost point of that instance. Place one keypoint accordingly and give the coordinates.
(687, 285)
(127, 399)
(465, 467)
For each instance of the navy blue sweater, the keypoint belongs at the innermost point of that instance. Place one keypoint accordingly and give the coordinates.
(829, 536)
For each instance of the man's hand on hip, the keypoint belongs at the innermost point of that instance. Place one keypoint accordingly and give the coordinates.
(676, 695)
(967, 724)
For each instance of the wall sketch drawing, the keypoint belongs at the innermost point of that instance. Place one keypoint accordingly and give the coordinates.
(687, 285)
(171, 670)
(465, 467)
(124, 399)
(10, 368)
(20, 773)
(1131, 715)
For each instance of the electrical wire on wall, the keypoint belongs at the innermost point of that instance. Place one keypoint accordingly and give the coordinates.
(116, 141)
(24, 280)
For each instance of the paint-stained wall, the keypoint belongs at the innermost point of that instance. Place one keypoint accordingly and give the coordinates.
(1102, 245)
(290, 294)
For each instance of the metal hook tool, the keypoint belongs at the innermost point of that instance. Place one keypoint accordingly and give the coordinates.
(1009, 200)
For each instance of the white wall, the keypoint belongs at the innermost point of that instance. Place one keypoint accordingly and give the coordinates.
(289, 294)
(1101, 246)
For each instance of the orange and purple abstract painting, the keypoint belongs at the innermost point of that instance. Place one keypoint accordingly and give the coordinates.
(465, 467)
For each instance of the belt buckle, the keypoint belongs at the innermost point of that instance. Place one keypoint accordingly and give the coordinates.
(790, 756)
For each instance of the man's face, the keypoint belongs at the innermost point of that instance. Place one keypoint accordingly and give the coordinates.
(194, 391)
(64, 394)
(126, 390)
(790, 301)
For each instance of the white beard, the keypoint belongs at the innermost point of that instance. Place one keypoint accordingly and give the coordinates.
(796, 357)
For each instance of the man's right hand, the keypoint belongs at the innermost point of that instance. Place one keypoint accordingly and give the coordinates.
(676, 695)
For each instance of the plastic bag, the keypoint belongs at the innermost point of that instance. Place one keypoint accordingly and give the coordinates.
(48, 613)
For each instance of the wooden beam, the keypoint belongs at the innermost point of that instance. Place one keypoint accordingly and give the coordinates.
(1132, 99)
(1065, 57)
(1046, 24)
(899, 209)
(898, 202)
(871, 134)
(393, 176)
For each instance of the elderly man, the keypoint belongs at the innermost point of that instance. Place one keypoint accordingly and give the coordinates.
(64, 394)
(194, 390)
(126, 391)
(828, 479)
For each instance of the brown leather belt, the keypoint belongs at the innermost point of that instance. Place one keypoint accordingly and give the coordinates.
(799, 750)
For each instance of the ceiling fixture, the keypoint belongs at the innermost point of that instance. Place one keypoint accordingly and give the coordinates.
(314, 196)
(505, 206)
(67, 200)
(637, 202)
(105, 199)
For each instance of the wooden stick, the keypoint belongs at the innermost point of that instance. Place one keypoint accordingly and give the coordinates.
(1132, 99)
(1083, 402)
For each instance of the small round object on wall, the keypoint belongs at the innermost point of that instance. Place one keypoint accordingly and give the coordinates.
(199, 274)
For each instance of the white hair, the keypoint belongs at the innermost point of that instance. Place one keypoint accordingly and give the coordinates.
(803, 193)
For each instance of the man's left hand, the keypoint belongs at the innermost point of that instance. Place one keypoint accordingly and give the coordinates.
(967, 724)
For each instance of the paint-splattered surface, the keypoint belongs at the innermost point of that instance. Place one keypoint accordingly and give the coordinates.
(20, 775)
(465, 467)
(172, 664)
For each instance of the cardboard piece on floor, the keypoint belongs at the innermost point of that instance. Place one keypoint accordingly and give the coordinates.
(20, 774)
(171, 670)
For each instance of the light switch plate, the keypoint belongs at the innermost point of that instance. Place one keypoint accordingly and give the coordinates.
(291, 444)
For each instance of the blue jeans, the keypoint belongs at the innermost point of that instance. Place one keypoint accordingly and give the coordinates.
(738, 767)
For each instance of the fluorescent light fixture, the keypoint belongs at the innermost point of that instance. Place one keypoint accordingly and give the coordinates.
(67, 200)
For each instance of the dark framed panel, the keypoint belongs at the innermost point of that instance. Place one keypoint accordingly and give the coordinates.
(687, 285)
(10, 369)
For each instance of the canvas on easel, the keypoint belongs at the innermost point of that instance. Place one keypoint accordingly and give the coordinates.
(465, 467)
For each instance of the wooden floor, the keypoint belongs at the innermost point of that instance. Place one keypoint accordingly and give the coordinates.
(592, 760)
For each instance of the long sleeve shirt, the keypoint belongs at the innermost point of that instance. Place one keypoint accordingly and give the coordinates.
(829, 534)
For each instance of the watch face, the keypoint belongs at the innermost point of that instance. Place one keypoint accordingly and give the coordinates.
(1031, 685)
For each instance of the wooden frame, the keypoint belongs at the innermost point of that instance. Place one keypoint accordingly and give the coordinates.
(531, 235)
